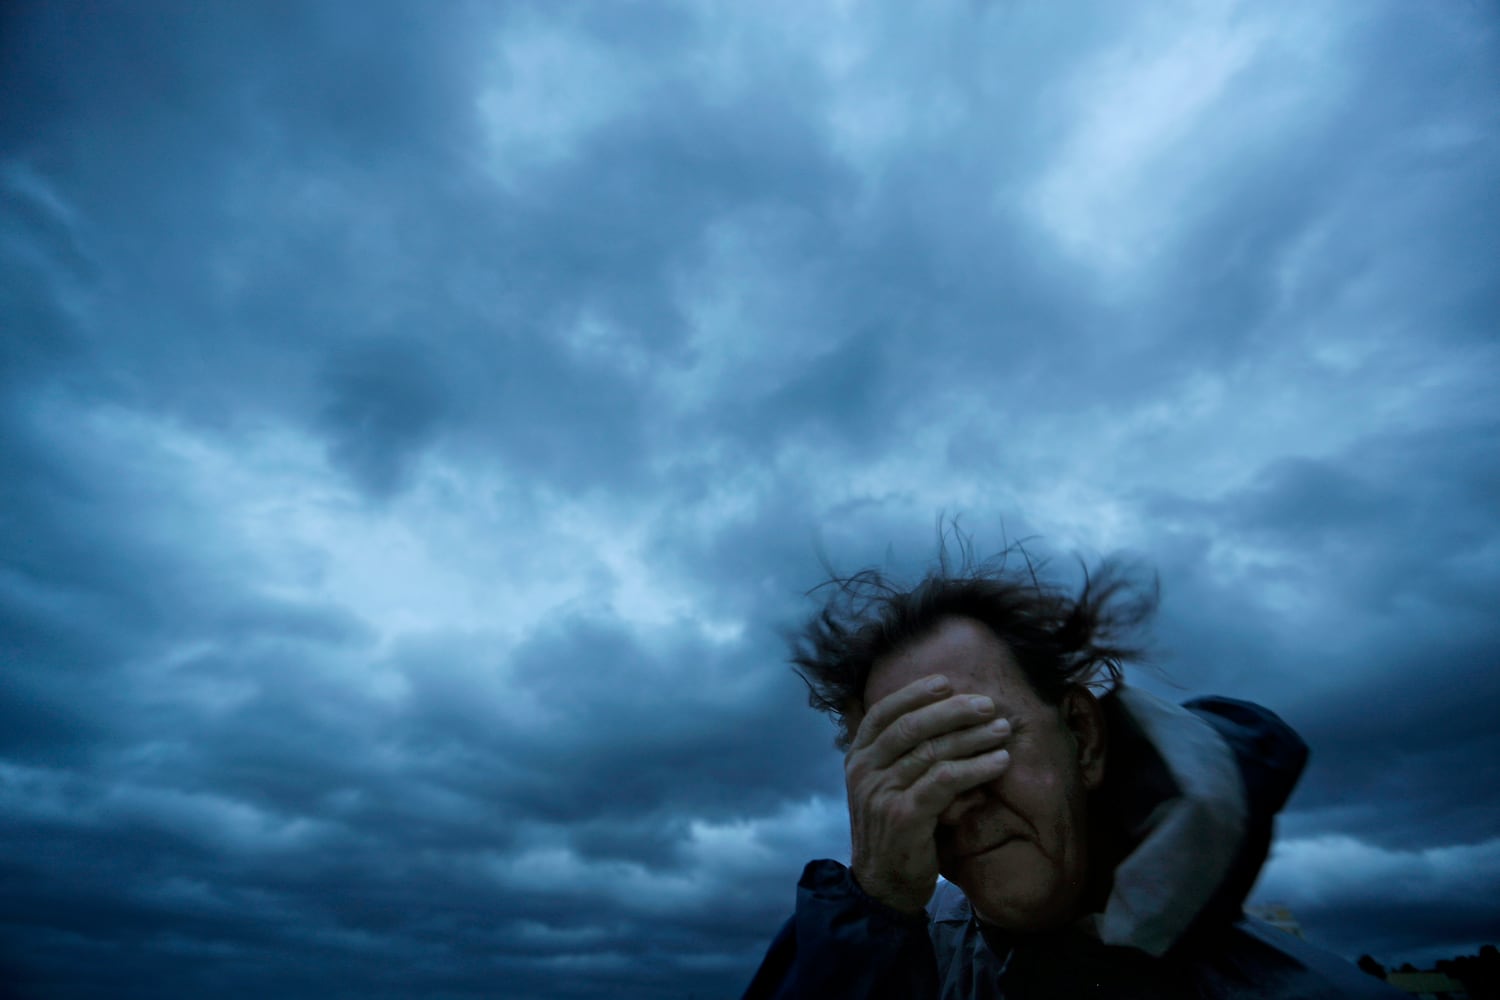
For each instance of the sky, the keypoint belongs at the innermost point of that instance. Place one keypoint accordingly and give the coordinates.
(421, 422)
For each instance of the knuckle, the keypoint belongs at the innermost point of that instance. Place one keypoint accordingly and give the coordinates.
(925, 752)
(861, 778)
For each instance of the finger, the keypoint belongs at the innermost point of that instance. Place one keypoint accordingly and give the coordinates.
(916, 727)
(945, 781)
(920, 692)
(955, 745)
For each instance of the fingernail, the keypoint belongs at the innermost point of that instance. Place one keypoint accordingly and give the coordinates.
(999, 727)
(981, 704)
(937, 685)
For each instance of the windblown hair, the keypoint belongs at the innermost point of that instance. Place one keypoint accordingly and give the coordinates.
(1058, 639)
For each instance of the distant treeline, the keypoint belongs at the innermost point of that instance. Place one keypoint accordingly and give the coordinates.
(1479, 973)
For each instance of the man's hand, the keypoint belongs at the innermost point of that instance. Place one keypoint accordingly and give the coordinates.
(915, 753)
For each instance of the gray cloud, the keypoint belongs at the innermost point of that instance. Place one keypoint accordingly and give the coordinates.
(418, 425)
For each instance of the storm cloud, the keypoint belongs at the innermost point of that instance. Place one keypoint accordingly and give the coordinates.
(419, 424)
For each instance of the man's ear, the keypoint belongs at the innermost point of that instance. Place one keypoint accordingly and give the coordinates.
(1084, 717)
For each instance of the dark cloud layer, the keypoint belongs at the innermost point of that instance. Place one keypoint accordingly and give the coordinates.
(418, 424)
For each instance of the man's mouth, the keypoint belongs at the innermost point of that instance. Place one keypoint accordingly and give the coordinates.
(989, 846)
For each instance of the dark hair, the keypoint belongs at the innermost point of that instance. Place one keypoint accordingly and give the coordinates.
(1059, 640)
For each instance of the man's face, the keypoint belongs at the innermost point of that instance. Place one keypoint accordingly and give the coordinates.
(1017, 846)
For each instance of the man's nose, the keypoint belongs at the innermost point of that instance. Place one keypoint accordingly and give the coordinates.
(961, 806)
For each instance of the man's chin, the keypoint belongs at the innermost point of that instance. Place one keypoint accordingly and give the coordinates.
(1010, 896)
(1018, 917)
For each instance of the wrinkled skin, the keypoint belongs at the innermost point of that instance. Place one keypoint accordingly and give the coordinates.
(977, 778)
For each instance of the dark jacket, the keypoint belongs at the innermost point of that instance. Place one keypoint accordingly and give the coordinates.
(1190, 795)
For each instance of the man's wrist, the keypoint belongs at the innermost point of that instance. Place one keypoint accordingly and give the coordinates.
(834, 882)
(878, 895)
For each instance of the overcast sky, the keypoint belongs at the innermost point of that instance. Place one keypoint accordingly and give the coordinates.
(418, 422)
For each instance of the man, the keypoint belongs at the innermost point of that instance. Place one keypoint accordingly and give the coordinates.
(1092, 845)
